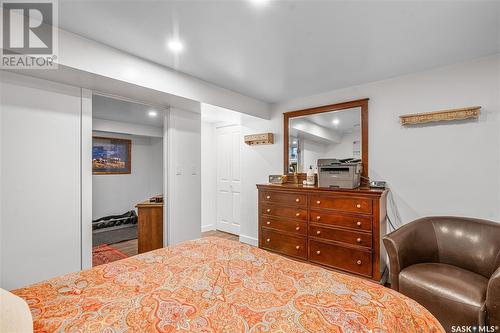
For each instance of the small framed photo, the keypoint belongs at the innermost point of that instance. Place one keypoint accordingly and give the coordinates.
(111, 156)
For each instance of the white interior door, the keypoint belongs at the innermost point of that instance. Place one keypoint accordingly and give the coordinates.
(228, 179)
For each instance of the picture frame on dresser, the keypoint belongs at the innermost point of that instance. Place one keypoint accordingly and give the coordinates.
(339, 229)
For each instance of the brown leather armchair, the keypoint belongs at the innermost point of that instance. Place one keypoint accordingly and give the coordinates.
(451, 266)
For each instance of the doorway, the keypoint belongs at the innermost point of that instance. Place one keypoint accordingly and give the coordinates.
(127, 178)
(221, 170)
(228, 197)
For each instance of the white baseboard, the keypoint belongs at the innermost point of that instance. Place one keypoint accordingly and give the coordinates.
(209, 227)
(249, 240)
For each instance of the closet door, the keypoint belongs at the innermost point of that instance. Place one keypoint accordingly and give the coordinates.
(40, 234)
(228, 179)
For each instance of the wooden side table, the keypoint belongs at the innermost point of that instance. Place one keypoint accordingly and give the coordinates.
(149, 226)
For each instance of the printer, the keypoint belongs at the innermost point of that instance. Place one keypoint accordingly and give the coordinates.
(337, 173)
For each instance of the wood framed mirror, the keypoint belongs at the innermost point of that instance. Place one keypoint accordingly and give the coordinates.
(331, 131)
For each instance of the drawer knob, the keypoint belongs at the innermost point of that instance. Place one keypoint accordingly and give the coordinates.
(318, 202)
(318, 217)
(318, 252)
(297, 228)
(268, 240)
(268, 222)
(358, 223)
(268, 197)
(297, 200)
(297, 247)
(298, 214)
(358, 240)
(268, 210)
(358, 206)
(318, 232)
(358, 262)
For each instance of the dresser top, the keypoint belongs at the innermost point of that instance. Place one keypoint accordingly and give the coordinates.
(148, 203)
(299, 187)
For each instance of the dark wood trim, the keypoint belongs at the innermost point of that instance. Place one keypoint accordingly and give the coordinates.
(286, 152)
(327, 108)
(129, 161)
(364, 140)
(362, 103)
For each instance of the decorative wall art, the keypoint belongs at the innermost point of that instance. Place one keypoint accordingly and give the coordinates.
(471, 112)
(111, 156)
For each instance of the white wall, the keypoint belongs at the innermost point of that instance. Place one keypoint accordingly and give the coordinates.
(208, 177)
(345, 148)
(311, 152)
(117, 194)
(257, 163)
(40, 221)
(439, 169)
(184, 180)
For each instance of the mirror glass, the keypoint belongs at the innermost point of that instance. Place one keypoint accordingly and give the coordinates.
(335, 134)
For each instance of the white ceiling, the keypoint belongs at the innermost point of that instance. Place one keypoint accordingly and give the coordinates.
(349, 120)
(326, 131)
(289, 49)
(108, 108)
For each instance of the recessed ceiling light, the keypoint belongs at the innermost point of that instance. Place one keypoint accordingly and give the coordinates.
(259, 2)
(336, 121)
(152, 113)
(294, 142)
(175, 46)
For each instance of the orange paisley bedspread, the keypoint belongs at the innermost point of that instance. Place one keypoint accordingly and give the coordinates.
(217, 285)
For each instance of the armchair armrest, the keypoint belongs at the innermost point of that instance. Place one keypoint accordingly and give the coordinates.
(413, 243)
(493, 299)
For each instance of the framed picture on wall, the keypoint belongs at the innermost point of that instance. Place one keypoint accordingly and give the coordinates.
(111, 156)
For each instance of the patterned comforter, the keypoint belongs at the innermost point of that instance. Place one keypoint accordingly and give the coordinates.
(216, 285)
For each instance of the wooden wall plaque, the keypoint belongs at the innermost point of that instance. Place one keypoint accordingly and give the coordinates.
(443, 115)
(259, 139)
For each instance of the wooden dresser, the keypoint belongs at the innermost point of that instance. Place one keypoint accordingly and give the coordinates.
(149, 226)
(336, 228)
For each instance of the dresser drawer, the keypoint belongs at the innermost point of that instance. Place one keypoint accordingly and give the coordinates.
(286, 212)
(284, 198)
(339, 235)
(345, 258)
(296, 227)
(293, 246)
(358, 205)
(355, 222)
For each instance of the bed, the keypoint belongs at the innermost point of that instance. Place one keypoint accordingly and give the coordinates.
(217, 285)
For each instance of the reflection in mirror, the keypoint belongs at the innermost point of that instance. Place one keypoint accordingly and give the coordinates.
(335, 134)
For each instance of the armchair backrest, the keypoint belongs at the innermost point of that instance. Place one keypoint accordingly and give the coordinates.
(471, 244)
